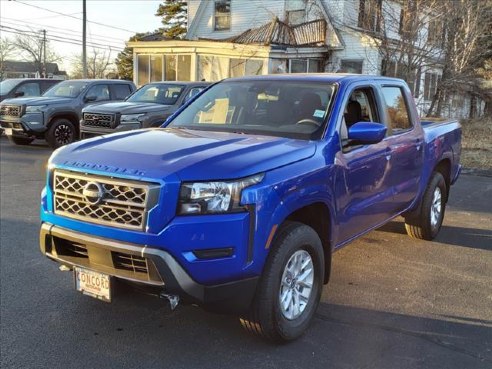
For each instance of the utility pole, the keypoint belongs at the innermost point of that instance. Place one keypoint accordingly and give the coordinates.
(84, 54)
(44, 54)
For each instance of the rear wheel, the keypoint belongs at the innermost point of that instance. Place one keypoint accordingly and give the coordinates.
(20, 140)
(62, 132)
(427, 224)
(290, 287)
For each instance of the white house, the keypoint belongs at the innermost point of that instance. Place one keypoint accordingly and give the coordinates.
(229, 38)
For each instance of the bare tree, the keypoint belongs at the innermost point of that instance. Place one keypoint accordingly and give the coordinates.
(98, 64)
(468, 44)
(6, 50)
(31, 48)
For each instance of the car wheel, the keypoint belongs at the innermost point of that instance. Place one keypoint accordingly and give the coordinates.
(427, 224)
(62, 132)
(290, 287)
(20, 140)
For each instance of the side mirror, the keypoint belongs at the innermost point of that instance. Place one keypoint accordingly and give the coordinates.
(19, 93)
(90, 98)
(367, 132)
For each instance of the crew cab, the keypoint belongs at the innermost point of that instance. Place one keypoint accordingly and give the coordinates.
(149, 106)
(55, 115)
(239, 200)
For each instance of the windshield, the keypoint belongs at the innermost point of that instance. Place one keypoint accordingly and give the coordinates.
(7, 86)
(157, 93)
(67, 89)
(284, 108)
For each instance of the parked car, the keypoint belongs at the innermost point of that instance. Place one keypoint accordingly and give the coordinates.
(55, 116)
(25, 87)
(149, 106)
(239, 202)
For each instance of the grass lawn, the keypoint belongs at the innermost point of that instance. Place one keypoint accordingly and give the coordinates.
(477, 143)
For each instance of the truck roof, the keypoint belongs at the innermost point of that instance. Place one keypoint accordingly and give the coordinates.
(317, 77)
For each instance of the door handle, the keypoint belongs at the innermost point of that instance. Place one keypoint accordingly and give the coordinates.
(388, 154)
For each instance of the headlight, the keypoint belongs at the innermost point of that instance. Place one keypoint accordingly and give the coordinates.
(214, 197)
(131, 118)
(35, 109)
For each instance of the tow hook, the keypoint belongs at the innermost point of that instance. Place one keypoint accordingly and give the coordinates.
(173, 300)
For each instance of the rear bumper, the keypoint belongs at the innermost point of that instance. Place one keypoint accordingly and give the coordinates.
(161, 269)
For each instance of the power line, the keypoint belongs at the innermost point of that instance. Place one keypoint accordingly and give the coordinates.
(71, 16)
(113, 44)
(55, 38)
(21, 22)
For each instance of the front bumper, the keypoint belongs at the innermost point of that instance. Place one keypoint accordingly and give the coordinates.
(29, 125)
(145, 265)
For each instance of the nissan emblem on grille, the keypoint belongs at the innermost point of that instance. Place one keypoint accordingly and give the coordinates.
(93, 193)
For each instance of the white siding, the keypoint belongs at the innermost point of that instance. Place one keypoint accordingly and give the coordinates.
(244, 15)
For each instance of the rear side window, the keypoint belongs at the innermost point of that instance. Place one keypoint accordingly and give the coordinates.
(121, 91)
(396, 109)
(29, 89)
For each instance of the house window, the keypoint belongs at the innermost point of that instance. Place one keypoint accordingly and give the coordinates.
(245, 67)
(435, 33)
(155, 68)
(431, 81)
(222, 15)
(143, 69)
(351, 66)
(305, 65)
(296, 17)
(391, 68)
(370, 15)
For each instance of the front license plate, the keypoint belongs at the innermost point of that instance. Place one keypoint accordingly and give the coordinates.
(93, 284)
(8, 131)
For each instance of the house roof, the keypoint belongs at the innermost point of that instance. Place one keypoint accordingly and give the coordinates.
(28, 67)
(277, 32)
(156, 36)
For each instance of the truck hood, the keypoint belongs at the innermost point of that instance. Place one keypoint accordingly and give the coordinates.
(189, 154)
(125, 107)
(39, 100)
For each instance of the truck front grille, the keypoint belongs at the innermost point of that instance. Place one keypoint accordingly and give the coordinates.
(10, 110)
(98, 120)
(103, 200)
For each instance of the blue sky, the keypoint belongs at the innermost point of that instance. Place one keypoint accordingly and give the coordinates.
(118, 21)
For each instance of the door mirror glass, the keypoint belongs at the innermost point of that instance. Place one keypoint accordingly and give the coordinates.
(367, 132)
(19, 93)
(90, 98)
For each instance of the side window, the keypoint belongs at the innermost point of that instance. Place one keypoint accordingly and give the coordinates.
(193, 92)
(396, 109)
(46, 85)
(361, 107)
(29, 89)
(101, 92)
(120, 91)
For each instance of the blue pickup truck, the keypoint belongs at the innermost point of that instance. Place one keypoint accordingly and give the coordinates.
(238, 202)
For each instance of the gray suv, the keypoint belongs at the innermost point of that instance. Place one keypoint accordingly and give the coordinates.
(25, 87)
(55, 116)
(149, 106)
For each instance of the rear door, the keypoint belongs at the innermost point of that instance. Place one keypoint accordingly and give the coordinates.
(405, 140)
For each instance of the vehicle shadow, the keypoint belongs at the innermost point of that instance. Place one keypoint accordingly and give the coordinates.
(451, 235)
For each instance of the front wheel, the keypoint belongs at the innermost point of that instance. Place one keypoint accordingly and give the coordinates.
(290, 287)
(427, 224)
(62, 132)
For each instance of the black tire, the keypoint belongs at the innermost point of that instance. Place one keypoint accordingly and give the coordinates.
(266, 317)
(426, 224)
(20, 140)
(62, 132)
